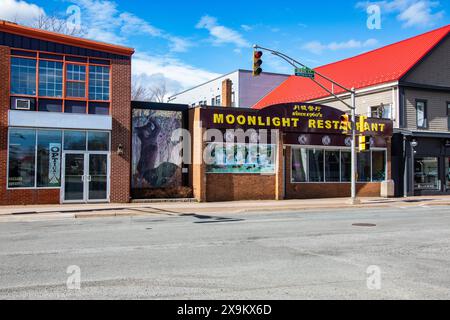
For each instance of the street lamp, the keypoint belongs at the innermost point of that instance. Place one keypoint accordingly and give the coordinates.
(351, 106)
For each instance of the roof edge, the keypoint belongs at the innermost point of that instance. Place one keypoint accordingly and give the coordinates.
(17, 29)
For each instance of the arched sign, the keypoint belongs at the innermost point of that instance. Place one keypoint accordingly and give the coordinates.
(290, 117)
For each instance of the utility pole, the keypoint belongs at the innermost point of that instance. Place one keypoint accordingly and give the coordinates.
(351, 106)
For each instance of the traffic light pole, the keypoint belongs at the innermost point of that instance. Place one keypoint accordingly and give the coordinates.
(351, 106)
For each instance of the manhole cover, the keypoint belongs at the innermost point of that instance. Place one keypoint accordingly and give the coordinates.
(364, 225)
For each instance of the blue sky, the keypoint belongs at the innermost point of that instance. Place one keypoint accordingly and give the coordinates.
(184, 43)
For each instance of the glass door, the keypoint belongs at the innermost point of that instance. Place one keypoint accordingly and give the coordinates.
(97, 178)
(86, 177)
(426, 174)
(74, 177)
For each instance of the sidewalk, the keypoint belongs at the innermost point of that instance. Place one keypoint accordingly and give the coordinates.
(236, 207)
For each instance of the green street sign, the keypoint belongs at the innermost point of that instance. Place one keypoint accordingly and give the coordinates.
(305, 73)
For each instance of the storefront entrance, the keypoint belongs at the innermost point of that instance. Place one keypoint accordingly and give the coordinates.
(85, 177)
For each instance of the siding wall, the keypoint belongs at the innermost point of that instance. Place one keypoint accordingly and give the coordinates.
(367, 100)
(434, 69)
(436, 108)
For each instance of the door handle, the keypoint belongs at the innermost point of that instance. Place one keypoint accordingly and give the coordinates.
(82, 178)
(89, 178)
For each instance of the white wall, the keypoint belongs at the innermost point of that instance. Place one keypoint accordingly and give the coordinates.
(206, 91)
(248, 90)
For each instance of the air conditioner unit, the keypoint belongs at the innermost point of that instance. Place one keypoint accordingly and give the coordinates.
(22, 104)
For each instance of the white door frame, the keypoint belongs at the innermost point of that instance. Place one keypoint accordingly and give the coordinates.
(86, 176)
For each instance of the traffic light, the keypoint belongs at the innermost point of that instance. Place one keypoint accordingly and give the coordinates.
(257, 62)
(362, 124)
(345, 123)
(364, 143)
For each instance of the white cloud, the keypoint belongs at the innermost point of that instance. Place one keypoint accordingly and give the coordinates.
(221, 34)
(318, 47)
(178, 75)
(246, 27)
(412, 13)
(20, 11)
(105, 22)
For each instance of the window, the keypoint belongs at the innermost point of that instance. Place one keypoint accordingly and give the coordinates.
(99, 83)
(315, 165)
(99, 108)
(76, 81)
(98, 141)
(382, 111)
(447, 172)
(49, 153)
(217, 102)
(364, 174)
(346, 166)
(421, 113)
(50, 79)
(332, 166)
(240, 158)
(75, 106)
(50, 105)
(299, 165)
(448, 114)
(378, 166)
(34, 155)
(316, 162)
(21, 163)
(23, 76)
(75, 140)
(426, 173)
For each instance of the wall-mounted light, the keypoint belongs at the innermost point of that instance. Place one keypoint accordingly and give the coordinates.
(447, 143)
(414, 143)
(120, 149)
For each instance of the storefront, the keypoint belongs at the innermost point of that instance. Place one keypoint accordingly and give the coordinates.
(64, 118)
(286, 151)
(424, 159)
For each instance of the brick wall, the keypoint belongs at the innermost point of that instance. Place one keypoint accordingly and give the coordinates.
(20, 196)
(121, 131)
(120, 164)
(235, 187)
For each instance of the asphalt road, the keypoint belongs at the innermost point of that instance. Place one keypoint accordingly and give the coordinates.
(297, 255)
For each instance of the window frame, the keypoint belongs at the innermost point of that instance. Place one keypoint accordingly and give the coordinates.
(91, 61)
(425, 111)
(62, 152)
(448, 114)
(341, 150)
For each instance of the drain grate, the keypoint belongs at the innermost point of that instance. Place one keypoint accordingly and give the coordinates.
(364, 225)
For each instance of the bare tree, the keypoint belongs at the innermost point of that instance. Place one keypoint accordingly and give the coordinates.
(155, 93)
(140, 93)
(55, 24)
(159, 92)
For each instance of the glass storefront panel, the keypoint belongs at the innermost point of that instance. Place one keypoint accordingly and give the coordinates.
(332, 166)
(22, 152)
(447, 172)
(364, 172)
(98, 141)
(75, 140)
(378, 166)
(346, 166)
(316, 162)
(299, 165)
(49, 155)
(426, 173)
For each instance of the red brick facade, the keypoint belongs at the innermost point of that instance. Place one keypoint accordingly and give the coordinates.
(121, 131)
(121, 118)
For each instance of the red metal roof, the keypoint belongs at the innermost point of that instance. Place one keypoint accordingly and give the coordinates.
(379, 66)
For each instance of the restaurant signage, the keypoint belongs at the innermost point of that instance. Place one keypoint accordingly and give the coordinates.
(291, 117)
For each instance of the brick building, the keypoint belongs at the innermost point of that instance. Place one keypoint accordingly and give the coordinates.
(64, 118)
